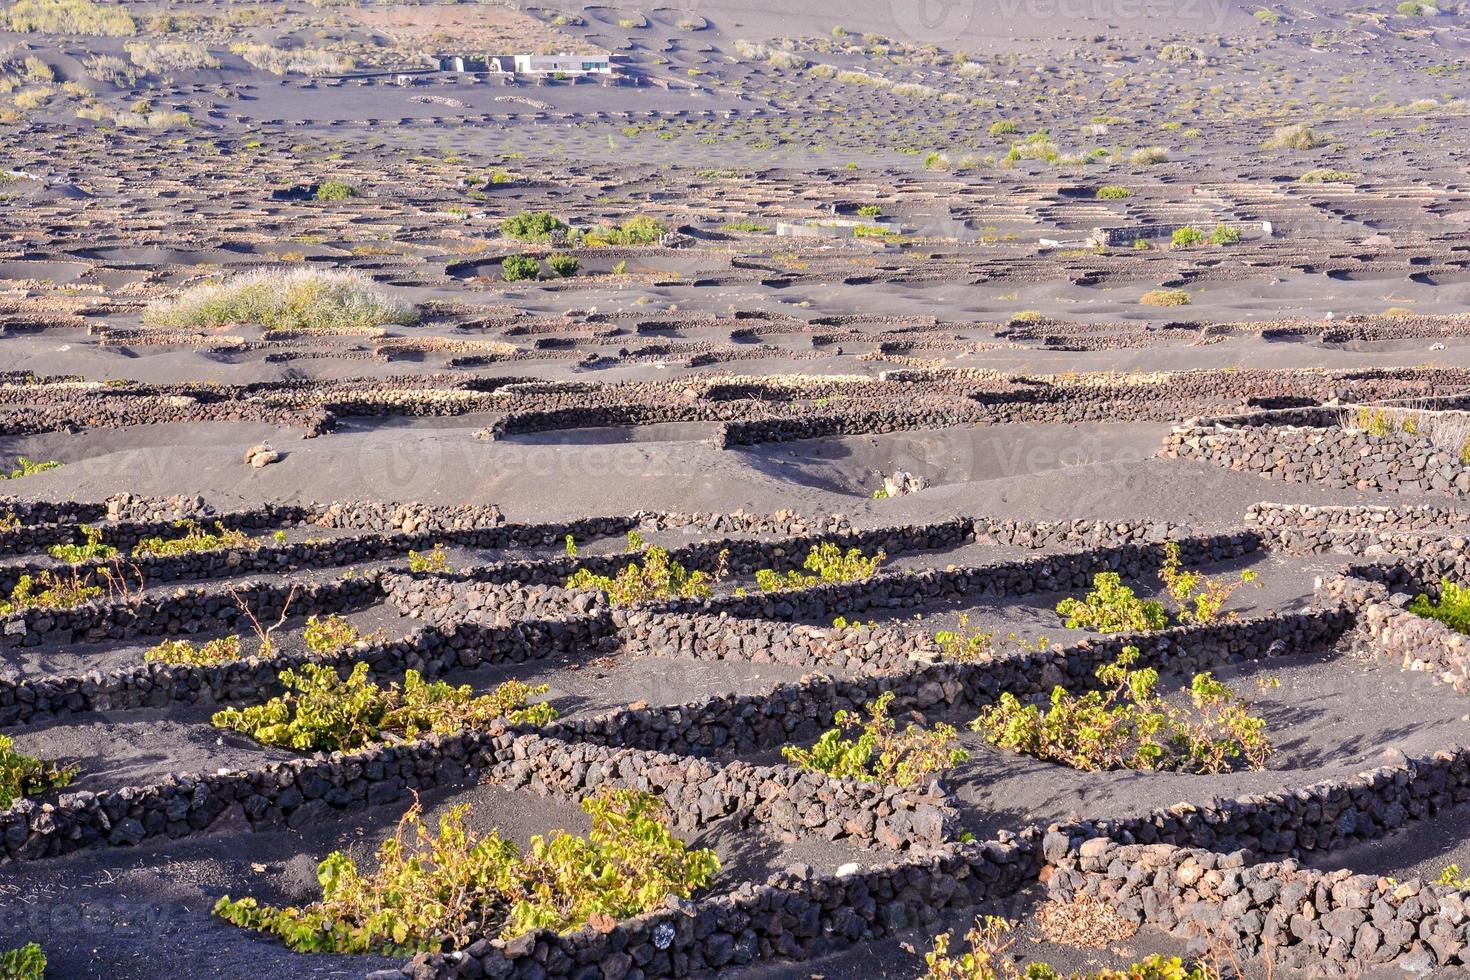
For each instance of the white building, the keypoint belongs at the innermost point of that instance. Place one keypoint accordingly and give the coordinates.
(566, 64)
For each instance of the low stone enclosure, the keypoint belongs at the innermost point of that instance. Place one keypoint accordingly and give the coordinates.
(1218, 869)
(740, 410)
(1383, 448)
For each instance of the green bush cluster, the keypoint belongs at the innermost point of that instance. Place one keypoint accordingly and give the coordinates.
(1224, 235)
(876, 750)
(1112, 192)
(1165, 297)
(22, 775)
(304, 299)
(1452, 609)
(532, 226)
(23, 963)
(1130, 726)
(322, 711)
(825, 564)
(1112, 607)
(325, 636)
(434, 560)
(27, 467)
(640, 230)
(92, 550)
(1186, 236)
(656, 578)
(48, 590)
(193, 541)
(434, 891)
(334, 190)
(217, 651)
(565, 266)
(515, 268)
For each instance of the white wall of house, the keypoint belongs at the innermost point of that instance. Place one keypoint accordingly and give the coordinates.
(570, 64)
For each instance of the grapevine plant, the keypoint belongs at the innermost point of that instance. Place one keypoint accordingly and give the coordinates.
(825, 564)
(93, 550)
(23, 775)
(435, 891)
(218, 651)
(322, 637)
(1452, 609)
(657, 578)
(194, 540)
(322, 711)
(989, 958)
(1112, 607)
(436, 560)
(1130, 726)
(49, 590)
(877, 751)
(24, 963)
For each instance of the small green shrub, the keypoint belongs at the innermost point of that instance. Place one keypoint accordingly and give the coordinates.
(657, 578)
(1298, 136)
(828, 564)
(334, 190)
(329, 635)
(1452, 609)
(93, 550)
(432, 891)
(964, 644)
(1375, 422)
(24, 963)
(285, 299)
(1224, 235)
(1165, 297)
(1148, 156)
(47, 590)
(1184, 237)
(1112, 192)
(532, 226)
(870, 211)
(514, 268)
(1450, 877)
(1324, 175)
(321, 711)
(222, 650)
(23, 775)
(1129, 726)
(565, 266)
(26, 467)
(640, 230)
(436, 560)
(1198, 597)
(990, 958)
(1004, 127)
(194, 540)
(876, 751)
(1112, 607)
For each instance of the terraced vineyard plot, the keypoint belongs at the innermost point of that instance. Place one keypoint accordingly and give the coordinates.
(685, 453)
